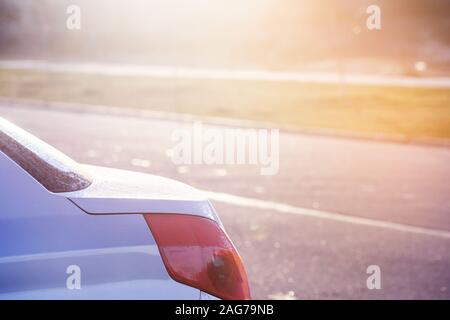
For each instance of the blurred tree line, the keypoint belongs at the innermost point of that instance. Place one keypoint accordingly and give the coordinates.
(279, 34)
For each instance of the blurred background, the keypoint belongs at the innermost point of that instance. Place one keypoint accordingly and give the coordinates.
(289, 35)
(364, 118)
(334, 70)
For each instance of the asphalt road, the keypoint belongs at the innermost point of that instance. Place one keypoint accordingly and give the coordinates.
(335, 207)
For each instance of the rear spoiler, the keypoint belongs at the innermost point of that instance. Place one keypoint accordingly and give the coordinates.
(48, 166)
(95, 190)
(116, 191)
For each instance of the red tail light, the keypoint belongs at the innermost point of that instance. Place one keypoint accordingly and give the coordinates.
(198, 253)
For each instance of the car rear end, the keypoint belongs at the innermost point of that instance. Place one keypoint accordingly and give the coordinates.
(71, 231)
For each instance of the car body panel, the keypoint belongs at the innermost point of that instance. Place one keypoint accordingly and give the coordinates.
(97, 226)
(42, 234)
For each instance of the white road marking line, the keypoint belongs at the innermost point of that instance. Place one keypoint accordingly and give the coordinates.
(285, 208)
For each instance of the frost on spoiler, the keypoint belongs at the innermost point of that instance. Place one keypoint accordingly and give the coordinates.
(51, 168)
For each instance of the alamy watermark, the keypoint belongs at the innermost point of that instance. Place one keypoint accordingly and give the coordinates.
(373, 21)
(73, 21)
(206, 145)
(374, 280)
(73, 281)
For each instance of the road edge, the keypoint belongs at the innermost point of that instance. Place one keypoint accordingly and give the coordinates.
(219, 121)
